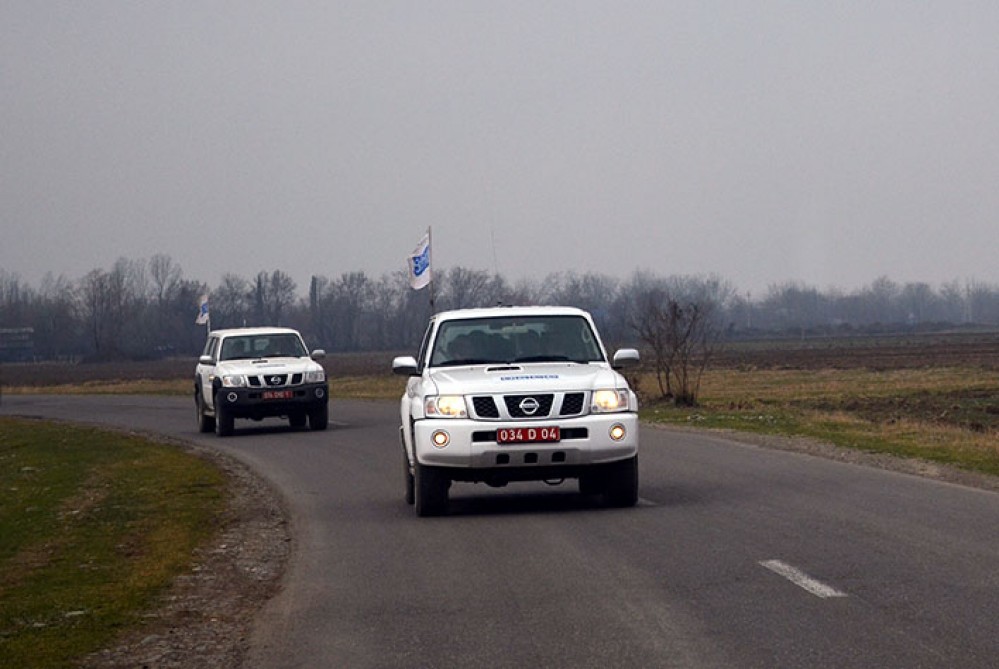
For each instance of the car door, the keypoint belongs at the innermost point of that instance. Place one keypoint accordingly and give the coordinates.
(206, 372)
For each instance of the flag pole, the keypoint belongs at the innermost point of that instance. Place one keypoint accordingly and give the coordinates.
(430, 248)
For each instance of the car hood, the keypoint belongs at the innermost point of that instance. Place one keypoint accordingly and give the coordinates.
(529, 378)
(263, 366)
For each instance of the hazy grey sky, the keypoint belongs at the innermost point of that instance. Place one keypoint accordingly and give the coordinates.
(822, 142)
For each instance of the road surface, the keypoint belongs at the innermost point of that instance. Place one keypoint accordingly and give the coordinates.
(736, 556)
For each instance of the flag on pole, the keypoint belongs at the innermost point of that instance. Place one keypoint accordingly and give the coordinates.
(420, 274)
(202, 318)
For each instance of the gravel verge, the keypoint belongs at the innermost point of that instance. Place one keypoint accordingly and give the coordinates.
(205, 617)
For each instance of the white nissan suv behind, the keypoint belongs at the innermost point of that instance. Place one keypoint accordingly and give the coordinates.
(517, 394)
(259, 372)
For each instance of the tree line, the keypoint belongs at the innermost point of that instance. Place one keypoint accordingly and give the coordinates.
(146, 308)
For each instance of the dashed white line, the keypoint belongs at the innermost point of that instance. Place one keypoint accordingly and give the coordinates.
(801, 579)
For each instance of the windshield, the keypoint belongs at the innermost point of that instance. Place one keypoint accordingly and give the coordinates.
(515, 339)
(247, 347)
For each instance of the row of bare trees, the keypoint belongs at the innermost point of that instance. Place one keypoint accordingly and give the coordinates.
(146, 308)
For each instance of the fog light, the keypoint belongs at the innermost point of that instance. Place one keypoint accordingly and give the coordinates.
(320, 392)
(440, 438)
(232, 397)
(617, 432)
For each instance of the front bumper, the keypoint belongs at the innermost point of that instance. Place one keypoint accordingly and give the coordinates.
(472, 444)
(261, 402)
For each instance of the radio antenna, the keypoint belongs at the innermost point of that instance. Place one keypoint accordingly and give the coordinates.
(492, 236)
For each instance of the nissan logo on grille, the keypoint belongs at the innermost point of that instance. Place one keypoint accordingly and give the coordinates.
(275, 380)
(529, 406)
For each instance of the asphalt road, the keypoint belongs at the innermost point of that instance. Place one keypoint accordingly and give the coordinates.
(736, 556)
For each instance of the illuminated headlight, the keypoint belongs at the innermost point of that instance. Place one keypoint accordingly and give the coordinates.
(315, 377)
(609, 401)
(446, 406)
(234, 381)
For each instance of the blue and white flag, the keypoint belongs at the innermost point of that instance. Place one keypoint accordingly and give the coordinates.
(420, 273)
(202, 318)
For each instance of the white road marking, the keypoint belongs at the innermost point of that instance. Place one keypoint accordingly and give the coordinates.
(801, 579)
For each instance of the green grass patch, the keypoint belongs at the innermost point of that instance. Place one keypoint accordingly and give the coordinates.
(93, 526)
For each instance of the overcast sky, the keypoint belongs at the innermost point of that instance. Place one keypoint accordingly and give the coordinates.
(823, 142)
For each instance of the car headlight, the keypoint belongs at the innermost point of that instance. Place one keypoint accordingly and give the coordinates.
(234, 381)
(446, 406)
(609, 401)
(315, 377)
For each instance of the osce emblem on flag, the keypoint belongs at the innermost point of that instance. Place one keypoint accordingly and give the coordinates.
(420, 273)
(202, 318)
(421, 263)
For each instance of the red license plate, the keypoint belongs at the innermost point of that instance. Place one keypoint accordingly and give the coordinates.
(527, 435)
(277, 395)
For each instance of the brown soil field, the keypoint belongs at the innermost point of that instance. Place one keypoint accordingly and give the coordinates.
(919, 351)
(42, 374)
(964, 349)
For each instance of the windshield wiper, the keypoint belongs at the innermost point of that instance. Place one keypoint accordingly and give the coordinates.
(466, 361)
(550, 358)
(541, 358)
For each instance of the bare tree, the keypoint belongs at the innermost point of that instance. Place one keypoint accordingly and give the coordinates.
(94, 307)
(682, 335)
(271, 295)
(229, 303)
(462, 288)
(650, 323)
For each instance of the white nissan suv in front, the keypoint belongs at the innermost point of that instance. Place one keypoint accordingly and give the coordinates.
(517, 394)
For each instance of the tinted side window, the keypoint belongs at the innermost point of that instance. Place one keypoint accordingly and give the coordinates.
(211, 346)
(421, 360)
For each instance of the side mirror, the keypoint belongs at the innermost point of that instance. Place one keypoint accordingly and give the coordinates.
(404, 365)
(625, 357)
(318, 354)
(206, 360)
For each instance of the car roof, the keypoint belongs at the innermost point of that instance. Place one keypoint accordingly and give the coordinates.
(253, 331)
(500, 312)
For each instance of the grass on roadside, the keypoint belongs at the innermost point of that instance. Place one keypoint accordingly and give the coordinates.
(946, 415)
(93, 525)
(110, 387)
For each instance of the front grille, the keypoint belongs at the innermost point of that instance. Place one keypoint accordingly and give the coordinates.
(514, 402)
(275, 379)
(572, 404)
(508, 407)
(485, 407)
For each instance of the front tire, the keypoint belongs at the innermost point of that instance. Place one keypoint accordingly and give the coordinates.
(319, 418)
(225, 422)
(410, 482)
(431, 486)
(622, 483)
(205, 423)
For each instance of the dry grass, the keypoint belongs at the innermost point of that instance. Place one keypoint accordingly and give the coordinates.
(110, 387)
(944, 414)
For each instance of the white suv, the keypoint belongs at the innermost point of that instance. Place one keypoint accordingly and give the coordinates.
(517, 394)
(258, 372)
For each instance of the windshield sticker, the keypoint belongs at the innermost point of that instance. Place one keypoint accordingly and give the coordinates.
(529, 377)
